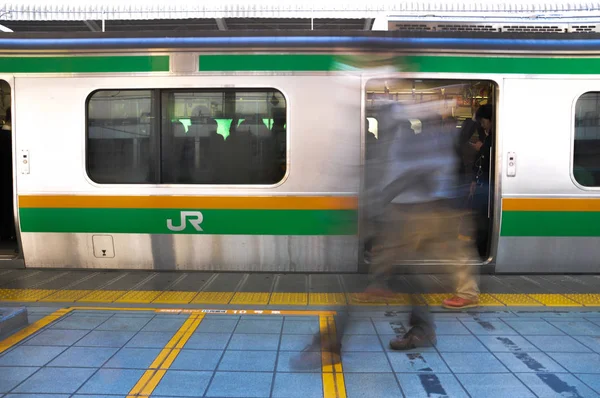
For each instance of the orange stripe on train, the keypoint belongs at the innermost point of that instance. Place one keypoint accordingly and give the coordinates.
(550, 204)
(192, 202)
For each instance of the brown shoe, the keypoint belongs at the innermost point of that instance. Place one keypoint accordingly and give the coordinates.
(414, 338)
(458, 303)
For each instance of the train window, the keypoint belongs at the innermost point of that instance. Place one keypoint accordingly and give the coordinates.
(209, 136)
(119, 132)
(586, 148)
(226, 136)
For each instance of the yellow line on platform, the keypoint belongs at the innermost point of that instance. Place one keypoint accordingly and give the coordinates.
(331, 363)
(165, 358)
(286, 299)
(31, 329)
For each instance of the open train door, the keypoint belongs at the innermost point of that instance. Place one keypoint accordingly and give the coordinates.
(457, 103)
(9, 236)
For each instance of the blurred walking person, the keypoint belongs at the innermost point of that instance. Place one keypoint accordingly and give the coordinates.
(413, 205)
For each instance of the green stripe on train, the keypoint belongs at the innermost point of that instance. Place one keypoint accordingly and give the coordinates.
(134, 63)
(435, 64)
(550, 223)
(214, 222)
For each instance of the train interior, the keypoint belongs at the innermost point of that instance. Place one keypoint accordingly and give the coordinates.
(460, 101)
(8, 241)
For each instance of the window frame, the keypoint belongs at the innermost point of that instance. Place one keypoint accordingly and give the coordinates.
(156, 146)
(572, 142)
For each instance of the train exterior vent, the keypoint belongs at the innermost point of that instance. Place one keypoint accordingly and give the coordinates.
(584, 28)
(466, 28)
(534, 29)
(408, 27)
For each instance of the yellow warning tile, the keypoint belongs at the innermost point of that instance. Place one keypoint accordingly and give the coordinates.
(139, 296)
(399, 299)
(488, 300)
(517, 300)
(365, 299)
(102, 296)
(66, 296)
(326, 299)
(289, 299)
(24, 294)
(212, 298)
(250, 298)
(435, 298)
(554, 300)
(175, 297)
(589, 300)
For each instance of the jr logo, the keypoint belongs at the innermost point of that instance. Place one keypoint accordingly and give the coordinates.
(194, 217)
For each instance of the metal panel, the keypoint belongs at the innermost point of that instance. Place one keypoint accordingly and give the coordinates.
(199, 252)
(542, 142)
(548, 255)
(183, 9)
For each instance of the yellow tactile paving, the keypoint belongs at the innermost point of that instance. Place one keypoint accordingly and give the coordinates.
(365, 299)
(165, 358)
(488, 300)
(589, 300)
(102, 296)
(139, 296)
(175, 297)
(24, 294)
(326, 299)
(399, 299)
(264, 298)
(517, 300)
(332, 371)
(212, 298)
(554, 300)
(435, 298)
(62, 296)
(289, 299)
(250, 298)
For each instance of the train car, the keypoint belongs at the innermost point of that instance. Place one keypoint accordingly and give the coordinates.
(244, 152)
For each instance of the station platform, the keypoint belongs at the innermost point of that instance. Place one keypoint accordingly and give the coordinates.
(152, 334)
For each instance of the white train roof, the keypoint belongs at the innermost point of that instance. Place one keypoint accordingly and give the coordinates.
(27, 10)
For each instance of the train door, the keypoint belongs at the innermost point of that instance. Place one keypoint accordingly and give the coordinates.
(8, 234)
(459, 101)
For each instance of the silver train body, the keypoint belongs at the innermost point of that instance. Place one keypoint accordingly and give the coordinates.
(76, 212)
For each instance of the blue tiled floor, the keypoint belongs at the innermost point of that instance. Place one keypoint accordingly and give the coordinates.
(240, 384)
(365, 362)
(360, 385)
(298, 385)
(133, 358)
(427, 385)
(501, 354)
(494, 385)
(556, 385)
(183, 383)
(112, 381)
(55, 380)
(258, 361)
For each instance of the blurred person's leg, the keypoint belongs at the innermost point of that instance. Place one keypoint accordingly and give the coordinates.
(418, 225)
(463, 255)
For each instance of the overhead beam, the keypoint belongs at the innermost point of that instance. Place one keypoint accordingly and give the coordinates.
(93, 26)
(368, 23)
(221, 23)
